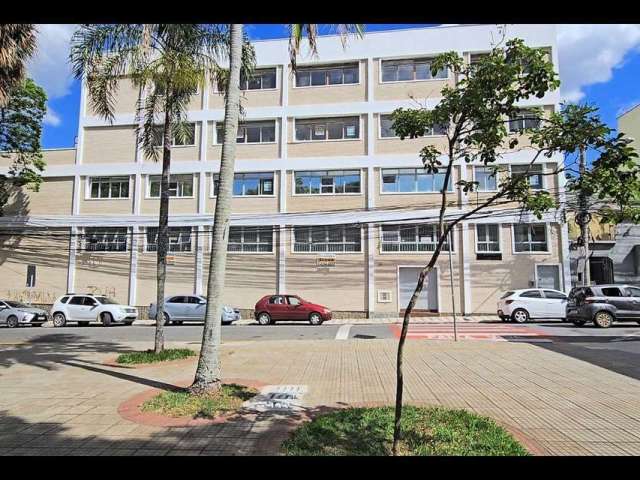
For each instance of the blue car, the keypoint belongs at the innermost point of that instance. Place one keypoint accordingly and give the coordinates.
(190, 308)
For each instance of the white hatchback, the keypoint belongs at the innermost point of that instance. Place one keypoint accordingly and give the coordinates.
(86, 309)
(532, 303)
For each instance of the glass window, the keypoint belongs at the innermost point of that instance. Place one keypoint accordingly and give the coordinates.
(410, 238)
(248, 184)
(77, 301)
(179, 239)
(611, 292)
(179, 186)
(534, 172)
(524, 120)
(486, 178)
(260, 80)
(327, 182)
(250, 132)
(530, 238)
(109, 187)
(386, 127)
(327, 238)
(328, 129)
(188, 137)
(250, 239)
(110, 239)
(293, 301)
(531, 294)
(553, 294)
(633, 291)
(330, 75)
(410, 70)
(413, 180)
(488, 238)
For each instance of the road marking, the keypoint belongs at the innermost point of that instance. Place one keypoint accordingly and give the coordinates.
(343, 332)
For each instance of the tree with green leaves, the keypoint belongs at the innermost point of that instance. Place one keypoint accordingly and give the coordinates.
(20, 132)
(167, 63)
(208, 373)
(17, 45)
(475, 113)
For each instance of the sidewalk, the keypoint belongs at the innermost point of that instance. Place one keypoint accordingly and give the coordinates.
(58, 398)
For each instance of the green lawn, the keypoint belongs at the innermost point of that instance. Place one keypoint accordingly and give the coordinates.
(149, 356)
(181, 403)
(426, 431)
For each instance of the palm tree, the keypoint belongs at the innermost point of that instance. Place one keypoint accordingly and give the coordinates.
(17, 44)
(167, 62)
(207, 377)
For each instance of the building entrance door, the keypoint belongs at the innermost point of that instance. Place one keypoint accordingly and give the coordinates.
(428, 299)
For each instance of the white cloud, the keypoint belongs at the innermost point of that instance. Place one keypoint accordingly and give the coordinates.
(52, 118)
(589, 54)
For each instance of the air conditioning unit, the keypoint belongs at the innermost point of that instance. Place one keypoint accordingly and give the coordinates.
(384, 296)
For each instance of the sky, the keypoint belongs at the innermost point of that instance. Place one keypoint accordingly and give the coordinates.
(599, 64)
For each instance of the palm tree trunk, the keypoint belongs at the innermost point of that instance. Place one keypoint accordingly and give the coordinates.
(207, 376)
(163, 230)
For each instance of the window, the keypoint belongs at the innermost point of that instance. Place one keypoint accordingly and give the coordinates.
(410, 238)
(294, 301)
(260, 80)
(412, 180)
(250, 239)
(633, 291)
(487, 238)
(330, 75)
(486, 178)
(97, 239)
(410, 70)
(248, 184)
(556, 295)
(330, 182)
(530, 238)
(251, 132)
(612, 292)
(76, 301)
(534, 172)
(178, 300)
(64, 299)
(531, 294)
(31, 276)
(277, 300)
(524, 120)
(109, 187)
(387, 131)
(327, 238)
(179, 186)
(179, 239)
(321, 129)
(188, 137)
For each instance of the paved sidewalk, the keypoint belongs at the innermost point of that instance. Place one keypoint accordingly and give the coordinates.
(60, 399)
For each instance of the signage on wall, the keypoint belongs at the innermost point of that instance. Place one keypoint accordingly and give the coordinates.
(325, 262)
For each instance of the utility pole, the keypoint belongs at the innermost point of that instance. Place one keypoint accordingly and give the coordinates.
(583, 219)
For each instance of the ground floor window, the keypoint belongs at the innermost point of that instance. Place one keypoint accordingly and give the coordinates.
(179, 239)
(530, 238)
(100, 239)
(250, 239)
(410, 238)
(327, 238)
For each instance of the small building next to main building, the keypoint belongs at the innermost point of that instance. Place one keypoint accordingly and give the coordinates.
(328, 203)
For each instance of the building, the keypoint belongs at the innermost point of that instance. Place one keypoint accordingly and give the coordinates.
(328, 203)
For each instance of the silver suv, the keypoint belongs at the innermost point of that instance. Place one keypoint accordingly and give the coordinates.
(603, 305)
(86, 309)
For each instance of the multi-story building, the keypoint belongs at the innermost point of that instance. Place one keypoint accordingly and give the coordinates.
(328, 203)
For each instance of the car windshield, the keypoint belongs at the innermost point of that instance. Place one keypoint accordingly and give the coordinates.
(18, 305)
(508, 294)
(106, 301)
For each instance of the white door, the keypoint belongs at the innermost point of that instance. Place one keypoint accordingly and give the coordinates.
(533, 301)
(556, 304)
(77, 309)
(407, 280)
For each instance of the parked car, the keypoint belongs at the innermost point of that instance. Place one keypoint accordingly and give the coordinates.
(603, 305)
(86, 309)
(271, 308)
(13, 314)
(181, 308)
(532, 303)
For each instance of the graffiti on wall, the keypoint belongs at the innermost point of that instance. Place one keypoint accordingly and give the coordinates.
(32, 296)
(104, 291)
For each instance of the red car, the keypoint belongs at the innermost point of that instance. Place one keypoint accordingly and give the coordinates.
(271, 308)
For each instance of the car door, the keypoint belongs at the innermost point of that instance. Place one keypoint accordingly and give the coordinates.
(76, 309)
(196, 308)
(296, 309)
(633, 293)
(532, 300)
(278, 308)
(555, 304)
(91, 308)
(177, 309)
(616, 297)
(4, 312)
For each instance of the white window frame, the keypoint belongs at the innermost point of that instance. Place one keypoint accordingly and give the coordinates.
(273, 182)
(89, 182)
(147, 193)
(414, 252)
(386, 114)
(84, 242)
(295, 194)
(475, 167)
(560, 276)
(146, 243)
(436, 192)
(243, 227)
(535, 165)
(489, 252)
(328, 66)
(358, 139)
(257, 70)
(540, 252)
(218, 142)
(214, 85)
(413, 58)
(173, 139)
(327, 252)
(521, 113)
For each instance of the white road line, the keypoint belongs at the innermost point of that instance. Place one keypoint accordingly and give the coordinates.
(343, 332)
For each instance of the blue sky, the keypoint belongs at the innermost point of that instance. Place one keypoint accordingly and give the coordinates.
(599, 64)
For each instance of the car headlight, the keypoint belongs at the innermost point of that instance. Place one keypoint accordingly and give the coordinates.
(28, 316)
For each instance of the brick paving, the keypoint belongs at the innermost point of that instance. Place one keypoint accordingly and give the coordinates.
(59, 399)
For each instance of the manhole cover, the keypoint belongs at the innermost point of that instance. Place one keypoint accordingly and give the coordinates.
(277, 398)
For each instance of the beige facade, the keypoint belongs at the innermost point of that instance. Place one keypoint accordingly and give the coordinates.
(112, 144)
(629, 124)
(54, 195)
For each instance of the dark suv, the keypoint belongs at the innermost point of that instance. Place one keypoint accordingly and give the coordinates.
(603, 305)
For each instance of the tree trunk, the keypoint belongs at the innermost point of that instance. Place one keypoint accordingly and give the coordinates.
(163, 229)
(207, 376)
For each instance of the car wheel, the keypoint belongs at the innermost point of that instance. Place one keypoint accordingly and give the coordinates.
(106, 319)
(12, 321)
(315, 319)
(264, 319)
(579, 323)
(83, 324)
(603, 319)
(59, 320)
(520, 316)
